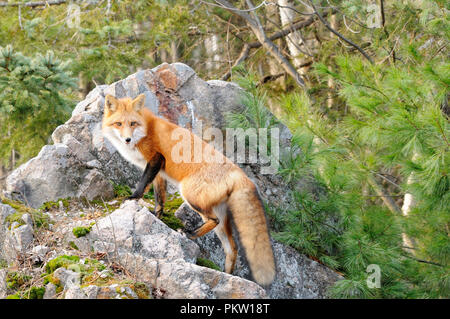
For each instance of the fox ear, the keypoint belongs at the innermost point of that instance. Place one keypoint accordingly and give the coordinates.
(138, 102)
(110, 103)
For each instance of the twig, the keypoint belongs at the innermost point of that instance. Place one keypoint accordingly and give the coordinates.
(277, 35)
(325, 23)
(33, 4)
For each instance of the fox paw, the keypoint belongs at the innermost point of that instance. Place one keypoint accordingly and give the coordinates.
(158, 213)
(134, 196)
(191, 234)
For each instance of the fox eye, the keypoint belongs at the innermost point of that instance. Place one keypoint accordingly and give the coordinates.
(133, 123)
(118, 124)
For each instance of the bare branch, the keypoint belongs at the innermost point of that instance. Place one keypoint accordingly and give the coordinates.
(325, 23)
(33, 4)
(258, 30)
(277, 35)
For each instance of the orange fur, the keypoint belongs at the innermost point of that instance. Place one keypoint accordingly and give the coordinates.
(211, 188)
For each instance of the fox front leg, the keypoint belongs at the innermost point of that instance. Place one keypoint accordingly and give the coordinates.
(150, 172)
(159, 188)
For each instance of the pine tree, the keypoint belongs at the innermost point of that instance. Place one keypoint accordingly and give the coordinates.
(34, 99)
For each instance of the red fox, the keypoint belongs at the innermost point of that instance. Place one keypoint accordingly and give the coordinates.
(212, 189)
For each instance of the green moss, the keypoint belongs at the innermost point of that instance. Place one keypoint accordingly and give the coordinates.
(171, 221)
(73, 245)
(173, 203)
(30, 293)
(14, 280)
(107, 208)
(34, 293)
(50, 278)
(121, 190)
(38, 217)
(81, 231)
(91, 265)
(3, 263)
(88, 269)
(170, 207)
(55, 204)
(207, 263)
(61, 261)
(141, 290)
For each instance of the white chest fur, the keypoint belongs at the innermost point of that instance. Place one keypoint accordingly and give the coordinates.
(129, 152)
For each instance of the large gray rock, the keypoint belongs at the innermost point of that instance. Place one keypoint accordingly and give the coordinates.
(18, 241)
(134, 228)
(179, 279)
(114, 291)
(5, 211)
(3, 286)
(81, 163)
(68, 278)
(296, 275)
(159, 256)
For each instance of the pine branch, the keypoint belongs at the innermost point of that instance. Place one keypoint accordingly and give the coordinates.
(387, 199)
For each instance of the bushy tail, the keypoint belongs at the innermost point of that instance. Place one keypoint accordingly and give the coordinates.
(248, 215)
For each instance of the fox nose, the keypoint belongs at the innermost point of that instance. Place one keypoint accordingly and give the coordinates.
(128, 139)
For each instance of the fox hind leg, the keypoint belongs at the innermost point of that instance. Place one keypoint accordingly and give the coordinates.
(210, 220)
(225, 234)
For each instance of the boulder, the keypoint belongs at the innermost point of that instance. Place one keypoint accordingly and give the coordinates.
(18, 240)
(82, 164)
(5, 211)
(182, 280)
(3, 286)
(134, 228)
(160, 256)
(297, 276)
(68, 278)
(50, 291)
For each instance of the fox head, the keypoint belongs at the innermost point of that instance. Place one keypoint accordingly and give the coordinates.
(123, 121)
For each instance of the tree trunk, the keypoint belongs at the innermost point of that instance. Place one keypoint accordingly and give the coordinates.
(331, 84)
(408, 203)
(294, 39)
(274, 68)
(212, 52)
(174, 51)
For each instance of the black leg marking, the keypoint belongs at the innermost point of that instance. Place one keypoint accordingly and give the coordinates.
(151, 170)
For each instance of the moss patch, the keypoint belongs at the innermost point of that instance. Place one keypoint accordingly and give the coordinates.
(207, 263)
(173, 202)
(55, 204)
(33, 293)
(38, 217)
(30, 293)
(141, 290)
(72, 262)
(81, 231)
(15, 280)
(73, 245)
(61, 261)
(121, 190)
